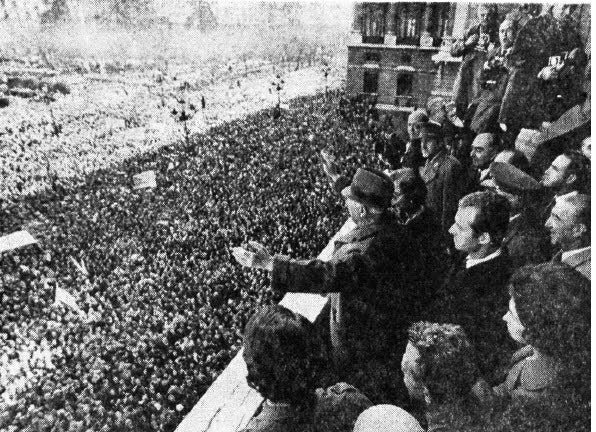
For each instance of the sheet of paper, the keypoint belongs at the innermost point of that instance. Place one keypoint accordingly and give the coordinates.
(16, 240)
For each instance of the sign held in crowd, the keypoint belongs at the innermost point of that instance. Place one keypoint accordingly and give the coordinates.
(144, 180)
(16, 240)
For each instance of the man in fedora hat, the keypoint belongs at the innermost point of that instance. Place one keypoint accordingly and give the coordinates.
(371, 274)
(526, 239)
(443, 176)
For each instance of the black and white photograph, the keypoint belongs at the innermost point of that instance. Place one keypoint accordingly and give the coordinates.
(295, 216)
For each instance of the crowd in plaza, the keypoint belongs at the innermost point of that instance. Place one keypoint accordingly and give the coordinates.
(463, 298)
(169, 304)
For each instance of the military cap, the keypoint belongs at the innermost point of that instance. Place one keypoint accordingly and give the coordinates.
(431, 129)
(511, 179)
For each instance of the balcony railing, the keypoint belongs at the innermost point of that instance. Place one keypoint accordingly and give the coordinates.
(229, 404)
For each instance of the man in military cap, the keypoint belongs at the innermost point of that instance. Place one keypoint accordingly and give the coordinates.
(526, 240)
(443, 176)
(371, 273)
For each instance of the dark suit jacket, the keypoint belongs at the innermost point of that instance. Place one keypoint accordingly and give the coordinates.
(526, 242)
(477, 298)
(444, 178)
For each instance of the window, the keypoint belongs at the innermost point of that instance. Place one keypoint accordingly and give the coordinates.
(372, 57)
(371, 81)
(405, 83)
(374, 23)
(413, 19)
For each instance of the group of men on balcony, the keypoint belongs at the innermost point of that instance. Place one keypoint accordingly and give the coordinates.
(465, 281)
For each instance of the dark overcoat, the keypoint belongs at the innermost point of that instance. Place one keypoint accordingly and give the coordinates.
(444, 179)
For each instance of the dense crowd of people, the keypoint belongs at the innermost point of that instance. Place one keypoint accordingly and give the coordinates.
(169, 302)
(460, 300)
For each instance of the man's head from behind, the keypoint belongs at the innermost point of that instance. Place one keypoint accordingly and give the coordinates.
(569, 222)
(410, 189)
(568, 172)
(438, 363)
(283, 355)
(369, 195)
(481, 222)
(485, 148)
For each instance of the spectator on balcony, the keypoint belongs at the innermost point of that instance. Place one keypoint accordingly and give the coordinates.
(373, 273)
(549, 313)
(413, 155)
(568, 174)
(536, 59)
(485, 148)
(437, 113)
(442, 175)
(474, 288)
(493, 81)
(570, 227)
(285, 358)
(473, 48)
(439, 367)
(526, 239)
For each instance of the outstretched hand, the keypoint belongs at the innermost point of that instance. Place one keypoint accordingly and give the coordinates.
(254, 255)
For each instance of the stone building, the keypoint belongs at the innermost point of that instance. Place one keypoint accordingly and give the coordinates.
(399, 52)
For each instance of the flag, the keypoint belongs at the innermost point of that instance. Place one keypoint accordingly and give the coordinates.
(146, 179)
(67, 299)
(16, 240)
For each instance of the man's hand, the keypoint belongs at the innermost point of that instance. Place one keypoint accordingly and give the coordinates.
(329, 165)
(253, 256)
(472, 40)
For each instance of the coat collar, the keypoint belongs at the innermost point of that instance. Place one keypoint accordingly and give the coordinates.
(432, 166)
(579, 258)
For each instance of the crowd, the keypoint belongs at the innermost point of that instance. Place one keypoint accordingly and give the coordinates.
(170, 304)
(460, 300)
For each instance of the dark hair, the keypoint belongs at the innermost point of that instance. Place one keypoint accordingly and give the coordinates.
(553, 304)
(446, 364)
(581, 204)
(413, 187)
(580, 166)
(518, 160)
(284, 356)
(493, 214)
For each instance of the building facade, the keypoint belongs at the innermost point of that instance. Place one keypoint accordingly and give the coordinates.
(399, 52)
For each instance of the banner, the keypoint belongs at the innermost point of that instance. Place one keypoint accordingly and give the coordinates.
(67, 299)
(16, 240)
(144, 180)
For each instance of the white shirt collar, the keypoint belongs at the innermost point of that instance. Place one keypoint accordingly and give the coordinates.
(514, 217)
(569, 254)
(564, 196)
(471, 262)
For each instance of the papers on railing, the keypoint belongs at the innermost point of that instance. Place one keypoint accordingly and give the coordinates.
(16, 240)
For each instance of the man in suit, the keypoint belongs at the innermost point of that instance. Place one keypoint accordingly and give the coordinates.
(442, 175)
(568, 174)
(475, 290)
(413, 156)
(485, 148)
(371, 275)
(526, 240)
(569, 227)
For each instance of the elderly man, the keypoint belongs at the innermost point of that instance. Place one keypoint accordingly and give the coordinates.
(442, 175)
(413, 156)
(474, 290)
(569, 227)
(372, 271)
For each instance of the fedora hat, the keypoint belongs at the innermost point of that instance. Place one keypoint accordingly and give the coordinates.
(370, 187)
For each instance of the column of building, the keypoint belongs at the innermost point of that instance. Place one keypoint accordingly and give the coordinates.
(390, 23)
(357, 17)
